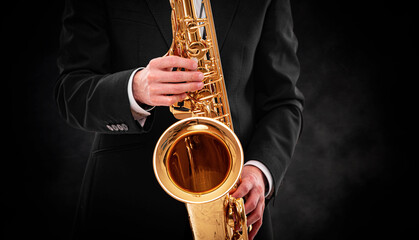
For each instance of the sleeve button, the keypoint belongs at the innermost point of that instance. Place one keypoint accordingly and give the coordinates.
(115, 127)
(109, 127)
(124, 127)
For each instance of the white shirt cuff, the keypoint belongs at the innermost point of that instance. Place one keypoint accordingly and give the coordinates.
(138, 112)
(267, 174)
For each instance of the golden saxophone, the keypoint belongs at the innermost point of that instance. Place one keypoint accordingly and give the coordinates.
(198, 160)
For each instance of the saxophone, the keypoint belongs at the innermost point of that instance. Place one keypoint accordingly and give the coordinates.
(198, 160)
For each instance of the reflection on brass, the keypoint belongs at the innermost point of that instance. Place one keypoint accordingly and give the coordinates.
(195, 169)
(198, 160)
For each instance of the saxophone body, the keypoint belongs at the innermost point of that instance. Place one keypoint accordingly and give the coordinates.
(198, 160)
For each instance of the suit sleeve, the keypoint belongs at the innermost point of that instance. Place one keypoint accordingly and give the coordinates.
(89, 95)
(278, 101)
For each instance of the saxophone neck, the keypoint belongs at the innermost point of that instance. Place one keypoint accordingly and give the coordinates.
(194, 37)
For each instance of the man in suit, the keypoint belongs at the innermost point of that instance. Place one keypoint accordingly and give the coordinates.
(114, 82)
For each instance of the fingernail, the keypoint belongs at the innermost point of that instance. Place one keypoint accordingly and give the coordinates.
(199, 85)
(195, 66)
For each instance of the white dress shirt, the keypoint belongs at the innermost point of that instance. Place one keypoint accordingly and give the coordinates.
(141, 115)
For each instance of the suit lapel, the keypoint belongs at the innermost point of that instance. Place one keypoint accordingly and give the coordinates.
(223, 11)
(161, 11)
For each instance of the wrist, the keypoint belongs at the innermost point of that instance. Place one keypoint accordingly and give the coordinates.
(258, 175)
(141, 110)
(267, 177)
(135, 90)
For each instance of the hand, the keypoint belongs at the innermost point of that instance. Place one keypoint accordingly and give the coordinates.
(158, 85)
(252, 188)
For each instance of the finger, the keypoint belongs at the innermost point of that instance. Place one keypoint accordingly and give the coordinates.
(257, 214)
(252, 201)
(174, 89)
(166, 100)
(243, 189)
(180, 76)
(255, 228)
(173, 62)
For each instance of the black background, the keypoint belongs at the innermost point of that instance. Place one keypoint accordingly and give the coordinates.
(353, 174)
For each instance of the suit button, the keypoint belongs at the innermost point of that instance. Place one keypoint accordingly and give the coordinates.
(119, 127)
(124, 126)
(109, 127)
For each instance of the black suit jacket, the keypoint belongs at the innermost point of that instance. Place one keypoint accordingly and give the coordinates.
(103, 41)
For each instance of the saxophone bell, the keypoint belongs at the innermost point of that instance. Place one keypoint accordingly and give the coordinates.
(198, 161)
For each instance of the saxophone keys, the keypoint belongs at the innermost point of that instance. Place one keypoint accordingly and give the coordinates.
(197, 50)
